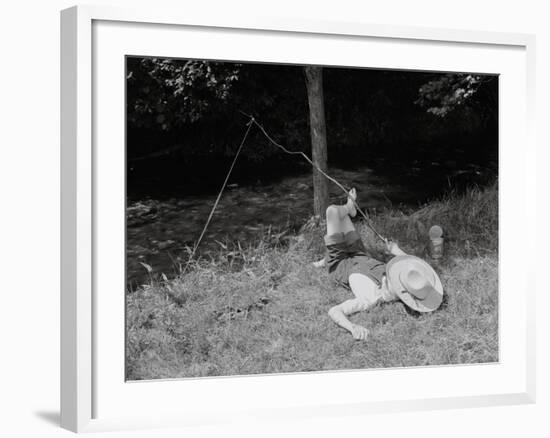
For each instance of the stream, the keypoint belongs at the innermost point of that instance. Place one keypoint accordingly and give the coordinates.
(159, 230)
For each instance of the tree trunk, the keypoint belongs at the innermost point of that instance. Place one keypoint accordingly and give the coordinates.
(317, 125)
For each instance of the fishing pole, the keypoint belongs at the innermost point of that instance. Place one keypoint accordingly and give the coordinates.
(252, 121)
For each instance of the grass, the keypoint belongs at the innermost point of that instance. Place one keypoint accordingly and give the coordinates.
(263, 308)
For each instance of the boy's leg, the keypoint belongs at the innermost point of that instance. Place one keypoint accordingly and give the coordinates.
(338, 216)
(338, 220)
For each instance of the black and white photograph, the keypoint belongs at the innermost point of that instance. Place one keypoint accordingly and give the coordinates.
(273, 219)
(289, 218)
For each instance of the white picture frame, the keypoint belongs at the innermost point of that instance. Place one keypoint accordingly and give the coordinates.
(93, 392)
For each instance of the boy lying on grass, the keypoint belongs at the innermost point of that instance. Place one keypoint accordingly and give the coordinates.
(404, 277)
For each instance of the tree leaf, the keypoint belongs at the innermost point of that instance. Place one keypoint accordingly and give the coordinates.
(146, 266)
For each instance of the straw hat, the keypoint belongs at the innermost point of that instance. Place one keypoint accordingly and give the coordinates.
(415, 283)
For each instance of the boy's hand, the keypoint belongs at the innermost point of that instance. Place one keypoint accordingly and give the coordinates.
(359, 333)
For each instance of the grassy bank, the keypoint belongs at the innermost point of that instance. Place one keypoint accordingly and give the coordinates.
(263, 308)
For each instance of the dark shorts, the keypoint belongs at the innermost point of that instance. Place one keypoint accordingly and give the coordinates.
(347, 255)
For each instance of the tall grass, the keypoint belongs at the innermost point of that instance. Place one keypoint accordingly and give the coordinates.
(262, 308)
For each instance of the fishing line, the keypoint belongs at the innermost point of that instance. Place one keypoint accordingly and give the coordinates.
(197, 243)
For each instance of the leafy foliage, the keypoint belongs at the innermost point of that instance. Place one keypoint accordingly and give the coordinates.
(444, 94)
(167, 93)
(185, 119)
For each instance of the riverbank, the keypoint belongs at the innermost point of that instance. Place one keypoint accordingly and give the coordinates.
(160, 231)
(262, 308)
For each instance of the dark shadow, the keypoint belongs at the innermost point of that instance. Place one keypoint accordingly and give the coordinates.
(411, 312)
(444, 302)
(51, 417)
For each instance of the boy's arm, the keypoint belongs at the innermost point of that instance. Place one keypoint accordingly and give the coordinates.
(339, 315)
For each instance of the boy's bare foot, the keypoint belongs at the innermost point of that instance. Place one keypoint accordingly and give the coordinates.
(319, 264)
(350, 205)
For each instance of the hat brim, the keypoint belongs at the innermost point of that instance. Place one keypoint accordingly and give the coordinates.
(434, 296)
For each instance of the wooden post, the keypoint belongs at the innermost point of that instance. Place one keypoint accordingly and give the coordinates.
(317, 124)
